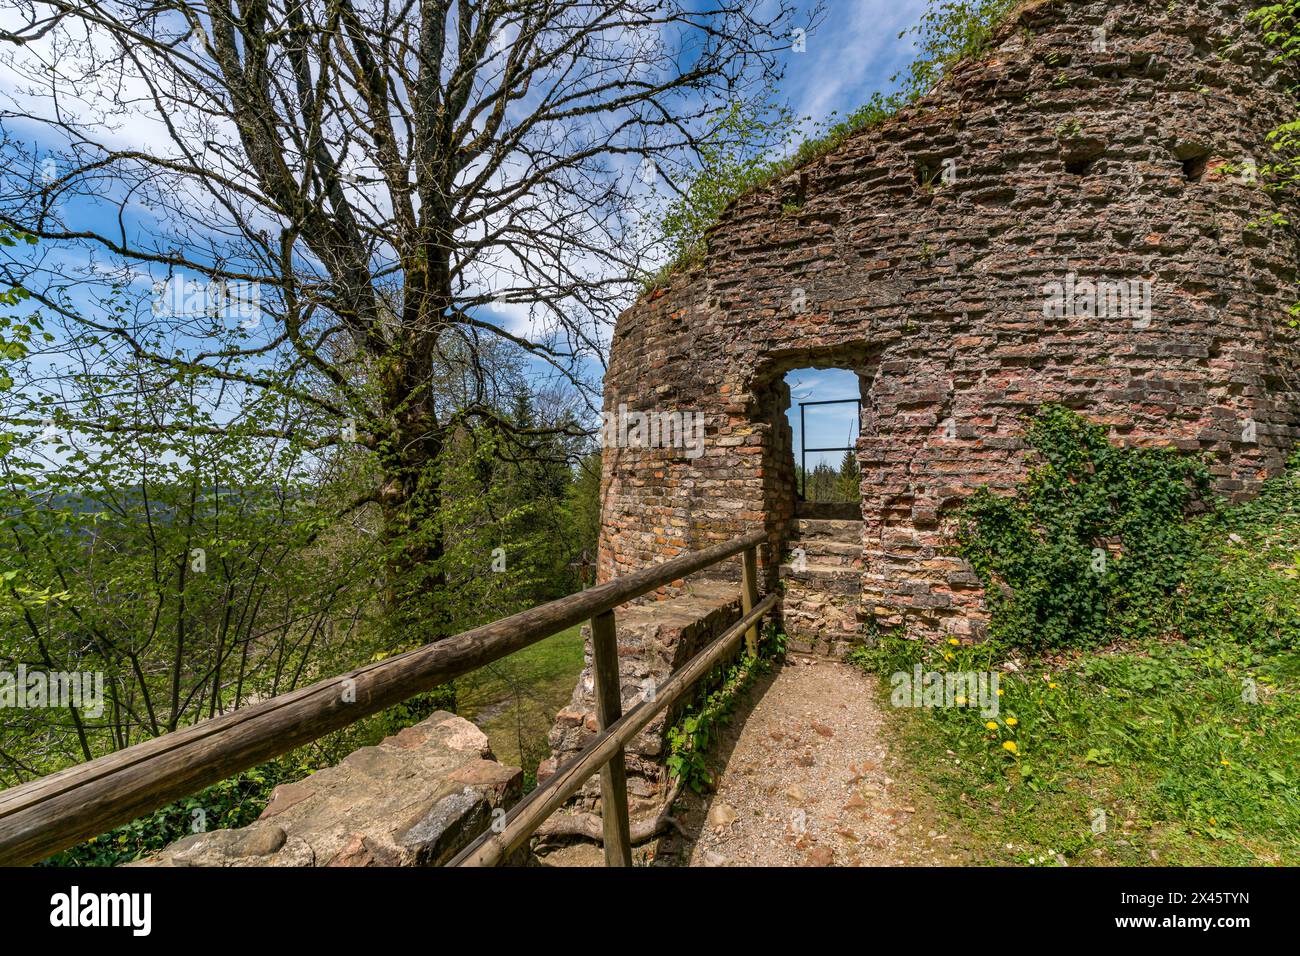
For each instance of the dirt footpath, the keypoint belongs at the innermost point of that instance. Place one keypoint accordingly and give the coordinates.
(805, 776)
(807, 779)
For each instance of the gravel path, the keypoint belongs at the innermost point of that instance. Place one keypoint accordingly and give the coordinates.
(805, 777)
(806, 781)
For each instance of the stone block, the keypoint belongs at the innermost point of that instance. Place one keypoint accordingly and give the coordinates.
(415, 799)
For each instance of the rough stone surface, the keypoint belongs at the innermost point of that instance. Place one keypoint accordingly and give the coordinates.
(822, 577)
(1113, 160)
(416, 799)
(1108, 140)
(653, 641)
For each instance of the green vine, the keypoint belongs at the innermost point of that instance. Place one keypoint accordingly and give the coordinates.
(1091, 541)
(1279, 24)
(689, 739)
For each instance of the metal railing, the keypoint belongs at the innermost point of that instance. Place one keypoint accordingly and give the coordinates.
(803, 438)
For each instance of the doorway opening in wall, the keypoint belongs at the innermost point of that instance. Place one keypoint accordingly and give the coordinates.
(825, 418)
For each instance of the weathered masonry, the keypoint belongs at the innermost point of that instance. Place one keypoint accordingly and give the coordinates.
(1073, 218)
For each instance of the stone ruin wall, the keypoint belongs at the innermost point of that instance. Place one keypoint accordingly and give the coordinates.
(1117, 163)
(417, 798)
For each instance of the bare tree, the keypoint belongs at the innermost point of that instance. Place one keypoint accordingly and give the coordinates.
(397, 179)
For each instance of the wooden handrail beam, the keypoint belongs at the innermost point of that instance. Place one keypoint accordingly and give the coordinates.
(609, 708)
(527, 815)
(64, 808)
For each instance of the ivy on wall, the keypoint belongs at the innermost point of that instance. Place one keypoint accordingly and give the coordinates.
(1096, 536)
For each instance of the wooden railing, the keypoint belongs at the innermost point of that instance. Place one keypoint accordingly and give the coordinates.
(59, 811)
(605, 754)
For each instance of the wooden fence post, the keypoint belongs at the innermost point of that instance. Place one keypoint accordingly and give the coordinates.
(609, 708)
(749, 596)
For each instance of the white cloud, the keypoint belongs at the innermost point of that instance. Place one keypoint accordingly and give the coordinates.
(853, 53)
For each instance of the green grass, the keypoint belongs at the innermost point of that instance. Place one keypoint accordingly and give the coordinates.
(1245, 583)
(1188, 741)
(515, 699)
(1162, 736)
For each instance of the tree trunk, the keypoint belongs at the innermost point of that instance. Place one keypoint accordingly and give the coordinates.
(410, 503)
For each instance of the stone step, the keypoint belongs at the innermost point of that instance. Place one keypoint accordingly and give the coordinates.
(821, 615)
(827, 630)
(830, 578)
(848, 510)
(823, 593)
(827, 529)
(818, 551)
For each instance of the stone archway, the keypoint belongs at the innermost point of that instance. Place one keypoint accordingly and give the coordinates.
(967, 290)
(820, 563)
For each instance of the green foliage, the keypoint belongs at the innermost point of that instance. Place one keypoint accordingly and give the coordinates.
(849, 481)
(234, 802)
(511, 524)
(199, 561)
(1183, 731)
(1095, 537)
(689, 739)
(194, 564)
(15, 333)
(950, 31)
(729, 166)
(1280, 24)
(1187, 748)
(1244, 584)
(582, 508)
(514, 700)
(824, 483)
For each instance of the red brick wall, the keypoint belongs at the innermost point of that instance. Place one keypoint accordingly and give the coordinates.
(1068, 159)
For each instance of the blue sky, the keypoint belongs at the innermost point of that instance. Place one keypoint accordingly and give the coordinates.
(851, 52)
(829, 426)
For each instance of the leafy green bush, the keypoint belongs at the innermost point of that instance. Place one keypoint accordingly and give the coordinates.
(1244, 584)
(1279, 24)
(1092, 541)
(1176, 742)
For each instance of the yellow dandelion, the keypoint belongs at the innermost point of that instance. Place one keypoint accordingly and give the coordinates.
(999, 691)
(953, 641)
(991, 725)
(1051, 684)
(1009, 746)
(947, 655)
(1213, 822)
(1011, 721)
(1225, 763)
